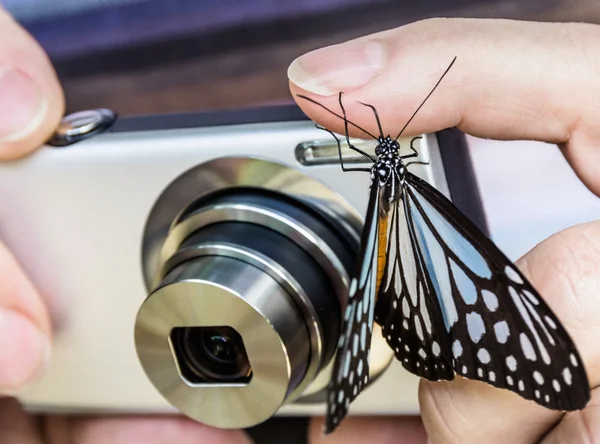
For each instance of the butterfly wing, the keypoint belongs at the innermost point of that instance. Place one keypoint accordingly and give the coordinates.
(351, 365)
(497, 327)
(406, 309)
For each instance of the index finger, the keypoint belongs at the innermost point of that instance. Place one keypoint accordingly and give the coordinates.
(512, 80)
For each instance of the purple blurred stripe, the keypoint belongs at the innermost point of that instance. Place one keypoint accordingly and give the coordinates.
(132, 24)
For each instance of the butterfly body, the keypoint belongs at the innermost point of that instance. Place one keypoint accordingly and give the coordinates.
(389, 169)
(448, 300)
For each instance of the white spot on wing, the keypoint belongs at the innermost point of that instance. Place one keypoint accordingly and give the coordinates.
(556, 385)
(353, 285)
(435, 348)
(484, 356)
(363, 337)
(405, 308)
(492, 376)
(501, 331)
(550, 322)
(509, 380)
(521, 385)
(475, 326)
(573, 360)
(512, 274)
(567, 376)
(538, 377)
(531, 297)
(359, 311)
(466, 287)
(347, 364)
(490, 300)
(348, 312)
(422, 353)
(418, 327)
(527, 347)
(457, 349)
(511, 363)
(423, 310)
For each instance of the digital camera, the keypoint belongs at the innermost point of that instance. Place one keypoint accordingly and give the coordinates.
(200, 263)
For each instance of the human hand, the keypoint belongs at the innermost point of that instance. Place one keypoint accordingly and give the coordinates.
(512, 81)
(31, 105)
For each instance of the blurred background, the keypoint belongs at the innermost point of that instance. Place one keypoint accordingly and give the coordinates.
(155, 56)
(139, 56)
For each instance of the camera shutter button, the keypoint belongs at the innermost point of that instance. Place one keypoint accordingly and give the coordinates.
(81, 125)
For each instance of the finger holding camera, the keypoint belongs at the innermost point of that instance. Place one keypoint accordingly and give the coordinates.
(31, 106)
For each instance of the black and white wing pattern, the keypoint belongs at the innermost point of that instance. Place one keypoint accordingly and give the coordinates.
(411, 319)
(350, 372)
(489, 322)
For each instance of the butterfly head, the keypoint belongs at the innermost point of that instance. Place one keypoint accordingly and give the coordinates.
(387, 148)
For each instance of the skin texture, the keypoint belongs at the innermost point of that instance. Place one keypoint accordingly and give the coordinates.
(511, 81)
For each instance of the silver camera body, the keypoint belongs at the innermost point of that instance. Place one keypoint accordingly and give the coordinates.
(199, 263)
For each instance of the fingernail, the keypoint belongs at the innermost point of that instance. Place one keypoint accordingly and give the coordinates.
(24, 352)
(342, 67)
(22, 105)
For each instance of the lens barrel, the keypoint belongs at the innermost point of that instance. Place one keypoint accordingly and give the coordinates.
(247, 265)
(247, 309)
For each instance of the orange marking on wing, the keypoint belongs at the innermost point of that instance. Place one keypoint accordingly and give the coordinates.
(381, 253)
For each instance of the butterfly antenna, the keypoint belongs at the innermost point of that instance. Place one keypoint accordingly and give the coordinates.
(346, 129)
(423, 103)
(335, 114)
(376, 117)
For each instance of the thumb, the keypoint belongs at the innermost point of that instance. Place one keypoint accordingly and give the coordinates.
(31, 99)
(511, 80)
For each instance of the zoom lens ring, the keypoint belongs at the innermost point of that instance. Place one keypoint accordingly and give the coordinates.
(307, 246)
(288, 256)
(322, 237)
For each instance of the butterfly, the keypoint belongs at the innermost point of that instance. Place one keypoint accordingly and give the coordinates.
(447, 299)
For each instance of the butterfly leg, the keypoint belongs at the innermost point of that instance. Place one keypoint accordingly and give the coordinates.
(347, 132)
(344, 168)
(376, 117)
(414, 153)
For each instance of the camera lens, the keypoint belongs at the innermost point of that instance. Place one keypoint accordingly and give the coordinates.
(218, 347)
(243, 248)
(211, 355)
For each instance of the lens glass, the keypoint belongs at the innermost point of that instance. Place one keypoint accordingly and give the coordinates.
(210, 355)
